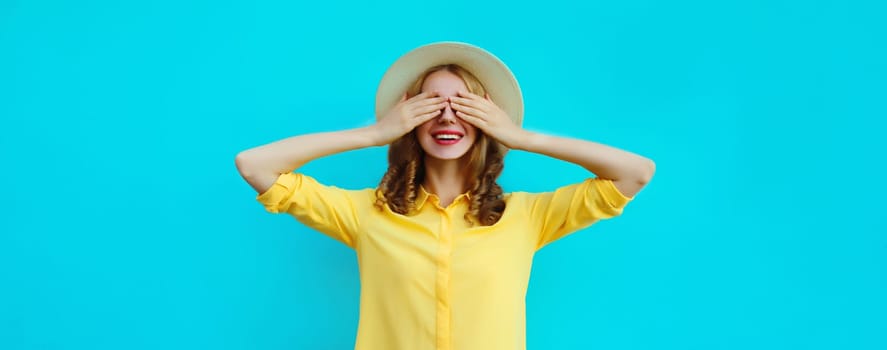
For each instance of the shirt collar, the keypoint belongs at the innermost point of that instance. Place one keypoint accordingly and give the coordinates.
(423, 195)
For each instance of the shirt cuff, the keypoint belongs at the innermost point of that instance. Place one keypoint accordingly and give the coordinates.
(612, 194)
(279, 192)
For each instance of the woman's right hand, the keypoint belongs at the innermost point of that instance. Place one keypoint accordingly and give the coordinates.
(406, 115)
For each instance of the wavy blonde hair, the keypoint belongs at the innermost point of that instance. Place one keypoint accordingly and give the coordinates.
(399, 187)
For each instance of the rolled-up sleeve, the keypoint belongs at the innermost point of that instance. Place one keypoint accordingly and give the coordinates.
(573, 207)
(327, 209)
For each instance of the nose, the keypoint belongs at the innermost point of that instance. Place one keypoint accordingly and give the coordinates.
(448, 115)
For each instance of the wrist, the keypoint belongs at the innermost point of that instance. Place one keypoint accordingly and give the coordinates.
(371, 134)
(523, 140)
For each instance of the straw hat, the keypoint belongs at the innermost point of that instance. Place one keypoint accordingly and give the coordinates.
(495, 76)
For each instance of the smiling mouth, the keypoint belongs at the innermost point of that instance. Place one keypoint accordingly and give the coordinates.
(447, 138)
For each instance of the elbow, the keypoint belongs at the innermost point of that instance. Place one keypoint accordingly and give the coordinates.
(643, 172)
(648, 170)
(242, 163)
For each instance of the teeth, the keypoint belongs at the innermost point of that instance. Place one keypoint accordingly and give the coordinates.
(447, 137)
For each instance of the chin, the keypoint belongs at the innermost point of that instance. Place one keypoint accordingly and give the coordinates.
(446, 152)
(447, 155)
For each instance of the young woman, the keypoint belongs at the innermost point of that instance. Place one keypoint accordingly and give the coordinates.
(444, 255)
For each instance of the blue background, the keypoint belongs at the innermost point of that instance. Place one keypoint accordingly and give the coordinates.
(125, 224)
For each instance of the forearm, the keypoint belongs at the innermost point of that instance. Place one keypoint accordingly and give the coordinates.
(261, 165)
(602, 160)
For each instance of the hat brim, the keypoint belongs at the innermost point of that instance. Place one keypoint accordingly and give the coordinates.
(495, 76)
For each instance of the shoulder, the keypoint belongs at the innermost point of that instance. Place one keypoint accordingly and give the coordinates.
(308, 182)
(591, 186)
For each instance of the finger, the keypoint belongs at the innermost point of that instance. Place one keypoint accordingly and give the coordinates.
(477, 122)
(426, 117)
(422, 95)
(468, 94)
(478, 105)
(430, 101)
(469, 110)
(430, 108)
(403, 97)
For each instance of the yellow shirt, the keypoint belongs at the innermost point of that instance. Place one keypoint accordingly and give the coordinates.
(429, 280)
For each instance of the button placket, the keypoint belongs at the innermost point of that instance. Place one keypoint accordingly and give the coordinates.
(445, 248)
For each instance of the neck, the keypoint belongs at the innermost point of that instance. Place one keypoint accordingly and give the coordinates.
(446, 178)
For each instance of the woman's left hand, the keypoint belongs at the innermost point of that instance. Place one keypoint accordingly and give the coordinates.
(487, 116)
